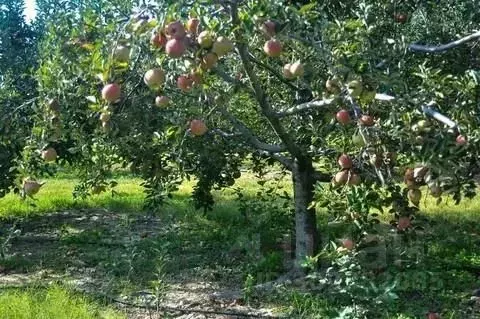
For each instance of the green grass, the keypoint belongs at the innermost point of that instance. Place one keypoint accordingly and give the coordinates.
(51, 303)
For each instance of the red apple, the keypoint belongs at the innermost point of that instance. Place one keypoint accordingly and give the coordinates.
(461, 140)
(348, 244)
(198, 127)
(111, 92)
(341, 178)
(175, 30)
(345, 161)
(273, 48)
(162, 101)
(175, 48)
(269, 28)
(433, 315)
(158, 40)
(400, 17)
(192, 25)
(367, 120)
(205, 39)
(31, 187)
(49, 154)
(209, 61)
(154, 78)
(343, 117)
(184, 83)
(404, 222)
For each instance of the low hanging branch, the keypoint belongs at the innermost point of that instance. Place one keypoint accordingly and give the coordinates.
(305, 107)
(442, 48)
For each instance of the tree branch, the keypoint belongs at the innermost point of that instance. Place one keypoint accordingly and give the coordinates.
(442, 48)
(287, 163)
(225, 134)
(305, 107)
(251, 138)
(321, 177)
(267, 67)
(260, 95)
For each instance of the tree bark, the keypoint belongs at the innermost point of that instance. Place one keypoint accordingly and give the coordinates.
(306, 231)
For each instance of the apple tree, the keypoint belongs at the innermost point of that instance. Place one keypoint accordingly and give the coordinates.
(332, 93)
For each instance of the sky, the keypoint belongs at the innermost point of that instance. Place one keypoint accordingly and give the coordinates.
(30, 9)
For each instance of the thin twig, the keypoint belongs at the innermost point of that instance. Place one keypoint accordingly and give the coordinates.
(442, 48)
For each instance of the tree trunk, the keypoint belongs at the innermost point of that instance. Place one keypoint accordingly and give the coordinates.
(306, 231)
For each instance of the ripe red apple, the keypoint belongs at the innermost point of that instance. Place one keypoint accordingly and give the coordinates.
(122, 53)
(400, 17)
(175, 30)
(198, 127)
(209, 61)
(415, 195)
(222, 46)
(205, 39)
(111, 92)
(49, 154)
(154, 78)
(433, 315)
(461, 140)
(162, 101)
(354, 179)
(404, 222)
(192, 25)
(184, 83)
(273, 48)
(345, 162)
(343, 117)
(341, 178)
(286, 71)
(175, 48)
(367, 120)
(348, 243)
(269, 28)
(105, 117)
(31, 186)
(297, 69)
(158, 40)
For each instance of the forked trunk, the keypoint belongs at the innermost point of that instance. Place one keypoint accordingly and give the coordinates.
(306, 231)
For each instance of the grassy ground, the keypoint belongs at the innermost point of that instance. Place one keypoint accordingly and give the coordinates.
(107, 245)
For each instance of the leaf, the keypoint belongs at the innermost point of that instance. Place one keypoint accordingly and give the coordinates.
(91, 98)
(308, 7)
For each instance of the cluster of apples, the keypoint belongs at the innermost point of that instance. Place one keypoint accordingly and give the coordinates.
(414, 178)
(346, 175)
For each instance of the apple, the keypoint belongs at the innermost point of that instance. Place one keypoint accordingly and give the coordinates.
(341, 178)
(297, 69)
(53, 105)
(273, 48)
(332, 86)
(175, 30)
(367, 120)
(286, 71)
(355, 88)
(404, 222)
(175, 48)
(222, 46)
(269, 28)
(348, 244)
(122, 53)
(354, 179)
(433, 315)
(111, 92)
(105, 117)
(162, 101)
(196, 77)
(154, 78)
(49, 154)
(158, 40)
(192, 25)
(409, 175)
(400, 17)
(184, 83)
(209, 61)
(415, 195)
(357, 140)
(461, 140)
(31, 187)
(205, 39)
(345, 162)
(411, 184)
(376, 160)
(435, 191)
(198, 127)
(343, 117)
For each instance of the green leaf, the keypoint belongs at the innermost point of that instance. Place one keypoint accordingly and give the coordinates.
(308, 7)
